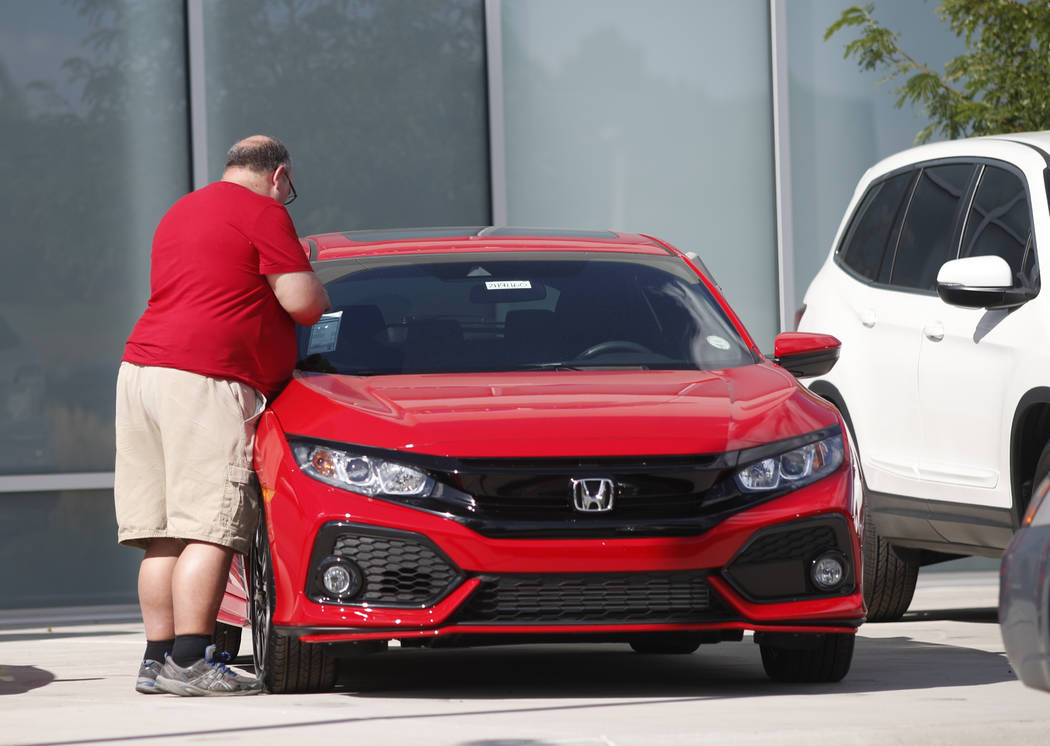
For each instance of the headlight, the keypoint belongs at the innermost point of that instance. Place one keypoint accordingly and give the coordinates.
(793, 468)
(367, 475)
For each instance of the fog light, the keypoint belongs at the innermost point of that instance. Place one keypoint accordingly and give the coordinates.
(340, 578)
(828, 571)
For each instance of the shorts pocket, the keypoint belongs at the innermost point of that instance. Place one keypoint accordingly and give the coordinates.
(242, 505)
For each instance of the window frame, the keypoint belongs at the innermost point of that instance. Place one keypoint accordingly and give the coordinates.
(965, 205)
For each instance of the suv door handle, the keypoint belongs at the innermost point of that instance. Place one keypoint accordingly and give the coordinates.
(867, 317)
(934, 332)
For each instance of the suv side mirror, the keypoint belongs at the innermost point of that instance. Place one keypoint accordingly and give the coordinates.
(980, 282)
(804, 354)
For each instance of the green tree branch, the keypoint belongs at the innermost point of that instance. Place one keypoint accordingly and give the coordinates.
(1000, 84)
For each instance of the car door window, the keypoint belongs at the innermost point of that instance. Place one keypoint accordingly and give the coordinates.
(999, 221)
(927, 235)
(865, 243)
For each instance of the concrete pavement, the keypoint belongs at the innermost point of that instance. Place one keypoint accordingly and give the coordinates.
(938, 677)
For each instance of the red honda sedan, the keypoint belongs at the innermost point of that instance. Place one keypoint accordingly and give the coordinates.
(514, 435)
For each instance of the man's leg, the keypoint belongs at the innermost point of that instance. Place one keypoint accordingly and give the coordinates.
(197, 587)
(155, 584)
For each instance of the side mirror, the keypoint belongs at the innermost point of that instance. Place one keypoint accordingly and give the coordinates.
(980, 282)
(804, 354)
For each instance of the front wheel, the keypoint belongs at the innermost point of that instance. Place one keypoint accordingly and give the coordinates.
(802, 658)
(282, 662)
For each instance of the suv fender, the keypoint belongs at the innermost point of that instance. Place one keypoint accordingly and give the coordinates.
(1028, 436)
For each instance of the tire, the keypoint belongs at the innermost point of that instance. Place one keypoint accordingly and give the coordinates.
(666, 643)
(1042, 468)
(817, 658)
(282, 662)
(227, 638)
(889, 576)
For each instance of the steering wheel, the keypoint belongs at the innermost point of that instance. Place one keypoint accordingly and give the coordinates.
(612, 345)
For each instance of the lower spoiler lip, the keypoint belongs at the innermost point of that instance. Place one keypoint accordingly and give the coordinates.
(348, 634)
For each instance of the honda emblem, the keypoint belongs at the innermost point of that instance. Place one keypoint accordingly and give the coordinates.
(593, 495)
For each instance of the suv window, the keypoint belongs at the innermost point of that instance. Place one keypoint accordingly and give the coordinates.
(927, 235)
(999, 222)
(865, 242)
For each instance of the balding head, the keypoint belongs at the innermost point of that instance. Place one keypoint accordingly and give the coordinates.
(259, 153)
(260, 163)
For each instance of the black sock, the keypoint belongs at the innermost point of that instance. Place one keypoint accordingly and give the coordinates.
(157, 649)
(188, 649)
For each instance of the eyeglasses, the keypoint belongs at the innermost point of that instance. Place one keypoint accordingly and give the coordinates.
(291, 191)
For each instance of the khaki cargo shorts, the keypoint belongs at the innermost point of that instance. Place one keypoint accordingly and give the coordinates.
(184, 457)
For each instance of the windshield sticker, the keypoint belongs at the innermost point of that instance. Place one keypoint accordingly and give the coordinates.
(508, 285)
(719, 343)
(325, 333)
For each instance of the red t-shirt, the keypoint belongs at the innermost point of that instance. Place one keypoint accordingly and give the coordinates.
(211, 310)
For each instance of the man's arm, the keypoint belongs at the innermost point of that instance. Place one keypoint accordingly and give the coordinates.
(301, 294)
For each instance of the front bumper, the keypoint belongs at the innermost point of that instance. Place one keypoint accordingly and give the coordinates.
(428, 577)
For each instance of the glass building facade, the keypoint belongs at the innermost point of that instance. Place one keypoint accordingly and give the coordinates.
(731, 129)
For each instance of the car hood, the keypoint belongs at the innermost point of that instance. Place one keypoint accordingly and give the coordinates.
(555, 413)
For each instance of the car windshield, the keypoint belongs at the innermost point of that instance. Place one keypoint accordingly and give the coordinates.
(506, 311)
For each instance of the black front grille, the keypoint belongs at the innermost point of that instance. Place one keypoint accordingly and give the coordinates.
(399, 568)
(636, 494)
(594, 598)
(526, 498)
(652, 495)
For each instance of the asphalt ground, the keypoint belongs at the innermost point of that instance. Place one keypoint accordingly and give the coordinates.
(938, 677)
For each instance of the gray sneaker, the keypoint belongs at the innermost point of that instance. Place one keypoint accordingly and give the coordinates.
(205, 678)
(147, 681)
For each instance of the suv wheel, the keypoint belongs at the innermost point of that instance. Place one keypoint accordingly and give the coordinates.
(282, 662)
(806, 658)
(889, 576)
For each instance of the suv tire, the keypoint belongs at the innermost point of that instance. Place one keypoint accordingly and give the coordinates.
(889, 576)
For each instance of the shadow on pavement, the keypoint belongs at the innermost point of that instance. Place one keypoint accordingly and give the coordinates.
(55, 634)
(20, 679)
(717, 671)
(951, 615)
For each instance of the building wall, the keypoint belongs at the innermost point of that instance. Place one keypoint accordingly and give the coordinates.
(656, 117)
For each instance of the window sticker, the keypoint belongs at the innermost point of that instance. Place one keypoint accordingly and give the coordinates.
(719, 343)
(325, 333)
(508, 285)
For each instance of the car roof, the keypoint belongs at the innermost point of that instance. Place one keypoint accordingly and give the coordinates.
(1040, 141)
(347, 244)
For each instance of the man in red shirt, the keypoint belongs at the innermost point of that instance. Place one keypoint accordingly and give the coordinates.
(229, 281)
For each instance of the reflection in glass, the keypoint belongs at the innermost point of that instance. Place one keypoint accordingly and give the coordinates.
(60, 549)
(998, 223)
(926, 235)
(653, 117)
(94, 97)
(381, 103)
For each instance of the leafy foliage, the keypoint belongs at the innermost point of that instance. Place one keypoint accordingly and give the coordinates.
(1000, 84)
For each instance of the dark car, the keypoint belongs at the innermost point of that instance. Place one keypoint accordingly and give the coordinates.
(1024, 593)
(507, 435)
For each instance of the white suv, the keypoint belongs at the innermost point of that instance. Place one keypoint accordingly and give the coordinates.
(932, 285)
